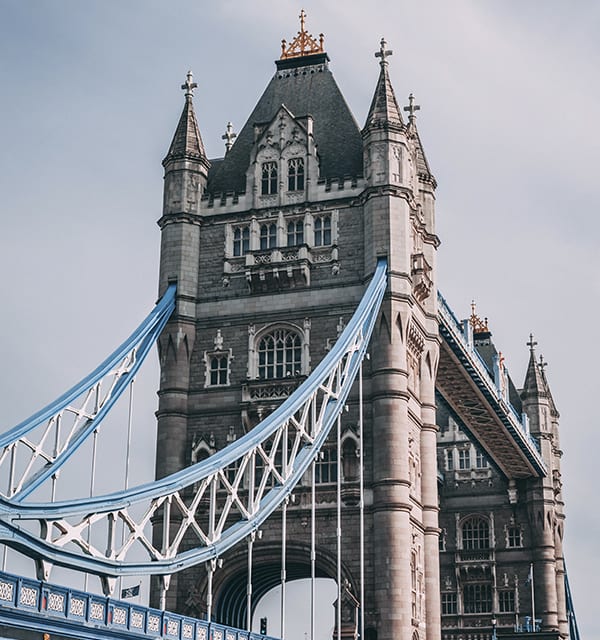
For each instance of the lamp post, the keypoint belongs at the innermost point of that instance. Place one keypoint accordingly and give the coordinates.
(494, 623)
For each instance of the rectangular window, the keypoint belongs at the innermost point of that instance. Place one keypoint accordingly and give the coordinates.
(326, 466)
(464, 458)
(241, 241)
(506, 601)
(322, 231)
(296, 174)
(514, 537)
(480, 460)
(477, 598)
(269, 178)
(268, 236)
(449, 459)
(295, 233)
(219, 366)
(448, 604)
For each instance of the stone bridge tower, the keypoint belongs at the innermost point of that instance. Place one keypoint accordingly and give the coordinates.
(272, 247)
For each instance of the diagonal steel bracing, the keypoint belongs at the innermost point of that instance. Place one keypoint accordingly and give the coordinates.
(36, 449)
(211, 506)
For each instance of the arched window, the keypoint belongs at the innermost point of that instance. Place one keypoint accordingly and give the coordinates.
(268, 236)
(279, 354)
(269, 178)
(296, 174)
(475, 534)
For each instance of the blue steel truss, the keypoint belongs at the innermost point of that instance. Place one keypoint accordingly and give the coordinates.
(573, 628)
(215, 503)
(38, 447)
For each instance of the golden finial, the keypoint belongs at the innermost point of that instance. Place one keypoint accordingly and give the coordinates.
(303, 44)
(479, 325)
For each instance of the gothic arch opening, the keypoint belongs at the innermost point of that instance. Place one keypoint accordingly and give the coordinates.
(230, 582)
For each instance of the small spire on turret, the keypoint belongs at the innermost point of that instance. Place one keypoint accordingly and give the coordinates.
(384, 108)
(189, 85)
(187, 141)
(411, 108)
(542, 364)
(228, 136)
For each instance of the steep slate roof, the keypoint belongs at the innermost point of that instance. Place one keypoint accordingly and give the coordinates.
(187, 141)
(306, 86)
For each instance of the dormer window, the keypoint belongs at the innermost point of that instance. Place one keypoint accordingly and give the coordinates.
(322, 231)
(269, 178)
(241, 241)
(296, 174)
(268, 236)
(295, 233)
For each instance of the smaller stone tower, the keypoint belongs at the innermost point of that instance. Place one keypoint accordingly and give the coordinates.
(186, 173)
(544, 499)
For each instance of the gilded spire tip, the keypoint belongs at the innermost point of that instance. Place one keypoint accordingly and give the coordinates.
(479, 325)
(303, 44)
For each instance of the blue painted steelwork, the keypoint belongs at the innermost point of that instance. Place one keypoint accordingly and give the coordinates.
(573, 628)
(452, 332)
(122, 365)
(308, 414)
(49, 608)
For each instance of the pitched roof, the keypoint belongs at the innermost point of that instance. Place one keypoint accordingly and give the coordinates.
(305, 86)
(187, 141)
(384, 106)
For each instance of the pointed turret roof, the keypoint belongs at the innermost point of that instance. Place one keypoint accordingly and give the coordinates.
(187, 141)
(384, 108)
(534, 384)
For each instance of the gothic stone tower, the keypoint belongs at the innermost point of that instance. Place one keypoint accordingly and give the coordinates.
(272, 247)
(501, 538)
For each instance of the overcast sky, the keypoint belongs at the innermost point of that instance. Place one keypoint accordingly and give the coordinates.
(509, 97)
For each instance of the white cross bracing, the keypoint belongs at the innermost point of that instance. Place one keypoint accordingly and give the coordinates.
(35, 450)
(211, 506)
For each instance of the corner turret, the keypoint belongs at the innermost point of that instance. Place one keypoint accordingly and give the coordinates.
(546, 505)
(186, 164)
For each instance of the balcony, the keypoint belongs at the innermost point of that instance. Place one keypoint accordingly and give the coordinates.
(279, 268)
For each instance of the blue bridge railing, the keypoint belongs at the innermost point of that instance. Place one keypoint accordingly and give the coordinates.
(50, 608)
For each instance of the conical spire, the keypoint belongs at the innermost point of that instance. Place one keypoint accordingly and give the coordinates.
(187, 141)
(384, 107)
(535, 382)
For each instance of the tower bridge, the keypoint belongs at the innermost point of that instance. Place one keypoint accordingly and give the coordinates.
(419, 478)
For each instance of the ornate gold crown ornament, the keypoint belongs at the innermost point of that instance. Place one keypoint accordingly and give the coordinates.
(303, 44)
(479, 325)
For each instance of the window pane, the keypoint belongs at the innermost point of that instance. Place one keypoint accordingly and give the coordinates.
(476, 534)
(296, 174)
(477, 598)
(269, 178)
(279, 354)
